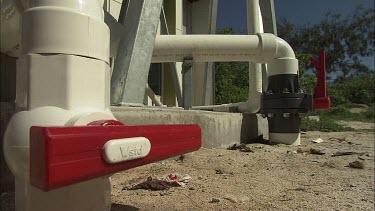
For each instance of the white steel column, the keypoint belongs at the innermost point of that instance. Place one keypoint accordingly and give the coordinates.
(203, 21)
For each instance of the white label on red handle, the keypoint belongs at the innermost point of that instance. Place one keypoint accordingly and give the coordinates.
(120, 150)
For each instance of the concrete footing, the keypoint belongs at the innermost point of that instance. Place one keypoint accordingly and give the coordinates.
(219, 130)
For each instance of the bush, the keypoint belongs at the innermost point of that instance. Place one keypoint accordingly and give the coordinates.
(342, 112)
(308, 83)
(231, 82)
(354, 89)
(337, 96)
(324, 125)
(370, 114)
(334, 111)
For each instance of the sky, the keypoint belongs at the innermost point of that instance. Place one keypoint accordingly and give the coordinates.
(233, 12)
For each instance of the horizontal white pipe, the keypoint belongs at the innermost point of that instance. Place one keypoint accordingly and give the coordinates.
(204, 48)
(260, 48)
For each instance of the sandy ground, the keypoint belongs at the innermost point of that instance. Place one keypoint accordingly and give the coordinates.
(274, 177)
(357, 125)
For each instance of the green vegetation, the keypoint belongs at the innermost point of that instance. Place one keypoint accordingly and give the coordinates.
(359, 89)
(231, 79)
(325, 125)
(346, 93)
(329, 117)
(232, 82)
(343, 113)
(345, 39)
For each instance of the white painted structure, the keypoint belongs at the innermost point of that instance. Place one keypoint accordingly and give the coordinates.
(261, 48)
(67, 43)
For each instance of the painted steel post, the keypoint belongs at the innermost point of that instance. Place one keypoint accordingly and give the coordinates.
(130, 73)
(187, 73)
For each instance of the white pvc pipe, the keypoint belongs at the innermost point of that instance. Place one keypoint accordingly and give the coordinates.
(204, 48)
(65, 41)
(254, 26)
(260, 48)
(91, 8)
(285, 138)
(63, 21)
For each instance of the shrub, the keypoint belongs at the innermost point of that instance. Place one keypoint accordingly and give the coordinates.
(354, 89)
(324, 125)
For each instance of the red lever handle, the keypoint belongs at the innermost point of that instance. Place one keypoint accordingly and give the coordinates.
(320, 100)
(61, 156)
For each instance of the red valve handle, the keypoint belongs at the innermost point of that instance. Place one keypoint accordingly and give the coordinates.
(320, 100)
(61, 156)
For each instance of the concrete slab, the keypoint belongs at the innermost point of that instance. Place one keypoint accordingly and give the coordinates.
(219, 130)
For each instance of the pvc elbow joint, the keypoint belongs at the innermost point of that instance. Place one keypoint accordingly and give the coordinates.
(284, 50)
(278, 54)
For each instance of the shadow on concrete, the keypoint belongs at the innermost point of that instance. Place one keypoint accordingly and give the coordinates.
(249, 128)
(122, 207)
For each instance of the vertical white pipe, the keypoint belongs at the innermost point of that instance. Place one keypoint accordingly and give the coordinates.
(254, 26)
(71, 35)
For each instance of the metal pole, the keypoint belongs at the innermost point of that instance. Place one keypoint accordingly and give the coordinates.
(133, 57)
(267, 9)
(123, 11)
(187, 73)
(209, 74)
(176, 80)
